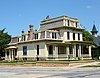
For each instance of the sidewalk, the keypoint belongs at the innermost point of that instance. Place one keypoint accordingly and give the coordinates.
(86, 64)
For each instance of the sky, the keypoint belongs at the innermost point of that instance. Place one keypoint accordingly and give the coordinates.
(16, 15)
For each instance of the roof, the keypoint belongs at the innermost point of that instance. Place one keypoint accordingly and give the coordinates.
(60, 17)
(96, 40)
(94, 30)
(70, 42)
(11, 47)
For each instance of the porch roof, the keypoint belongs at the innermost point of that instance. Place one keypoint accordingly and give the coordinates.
(11, 47)
(58, 43)
(70, 42)
(79, 42)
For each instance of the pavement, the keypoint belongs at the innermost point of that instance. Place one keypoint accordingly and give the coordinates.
(50, 72)
(86, 64)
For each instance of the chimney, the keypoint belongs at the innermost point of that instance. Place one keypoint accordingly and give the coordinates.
(28, 35)
(31, 31)
(22, 35)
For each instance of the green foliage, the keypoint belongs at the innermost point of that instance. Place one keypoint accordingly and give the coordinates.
(4, 40)
(87, 36)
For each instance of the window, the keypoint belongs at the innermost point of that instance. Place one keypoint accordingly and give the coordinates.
(18, 39)
(68, 35)
(76, 24)
(78, 36)
(24, 38)
(68, 22)
(54, 35)
(36, 36)
(73, 36)
(50, 50)
(37, 49)
(24, 50)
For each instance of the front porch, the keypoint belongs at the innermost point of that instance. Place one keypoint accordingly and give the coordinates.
(11, 53)
(69, 51)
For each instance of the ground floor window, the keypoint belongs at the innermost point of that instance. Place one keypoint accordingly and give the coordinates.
(37, 49)
(24, 50)
(50, 50)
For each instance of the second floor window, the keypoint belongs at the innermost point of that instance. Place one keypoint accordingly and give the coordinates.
(18, 39)
(54, 35)
(73, 36)
(68, 23)
(36, 36)
(76, 24)
(78, 36)
(37, 49)
(24, 38)
(68, 35)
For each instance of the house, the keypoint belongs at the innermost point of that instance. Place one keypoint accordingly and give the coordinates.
(96, 40)
(57, 38)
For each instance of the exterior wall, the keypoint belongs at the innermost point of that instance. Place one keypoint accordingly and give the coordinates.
(19, 39)
(71, 35)
(32, 50)
(62, 33)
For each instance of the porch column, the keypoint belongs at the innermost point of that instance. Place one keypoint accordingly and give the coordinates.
(39, 34)
(12, 55)
(46, 51)
(6, 55)
(50, 35)
(55, 51)
(74, 50)
(90, 51)
(80, 51)
(9, 55)
(57, 35)
(67, 51)
(45, 34)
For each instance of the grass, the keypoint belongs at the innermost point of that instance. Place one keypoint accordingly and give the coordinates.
(22, 61)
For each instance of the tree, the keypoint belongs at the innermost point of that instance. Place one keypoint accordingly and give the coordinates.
(87, 36)
(4, 40)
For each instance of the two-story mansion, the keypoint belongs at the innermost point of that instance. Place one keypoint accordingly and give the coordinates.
(57, 38)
